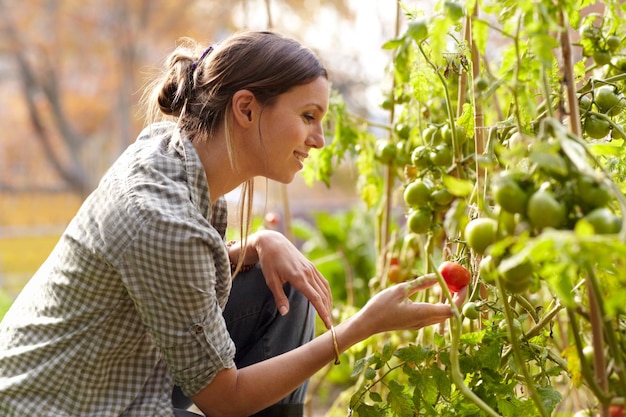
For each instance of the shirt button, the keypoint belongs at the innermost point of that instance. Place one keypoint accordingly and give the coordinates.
(198, 328)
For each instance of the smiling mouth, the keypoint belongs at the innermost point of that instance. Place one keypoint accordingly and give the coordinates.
(300, 157)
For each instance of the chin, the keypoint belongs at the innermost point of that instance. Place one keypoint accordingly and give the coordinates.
(284, 179)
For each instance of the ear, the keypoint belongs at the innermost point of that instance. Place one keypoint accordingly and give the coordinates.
(244, 107)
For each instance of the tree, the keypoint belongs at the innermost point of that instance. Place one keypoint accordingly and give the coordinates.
(80, 65)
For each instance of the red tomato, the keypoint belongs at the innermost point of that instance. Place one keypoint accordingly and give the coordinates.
(616, 410)
(455, 275)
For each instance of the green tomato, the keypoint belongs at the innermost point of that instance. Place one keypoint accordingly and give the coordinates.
(592, 194)
(596, 127)
(601, 58)
(510, 196)
(420, 157)
(604, 221)
(470, 310)
(588, 32)
(481, 84)
(584, 103)
(441, 156)
(419, 221)
(442, 197)
(417, 193)
(480, 233)
(385, 151)
(616, 134)
(608, 99)
(516, 276)
(544, 210)
(487, 269)
(613, 42)
(403, 130)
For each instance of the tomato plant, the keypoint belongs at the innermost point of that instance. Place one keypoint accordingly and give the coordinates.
(516, 115)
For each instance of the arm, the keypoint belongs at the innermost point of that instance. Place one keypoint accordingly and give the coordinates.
(282, 262)
(389, 310)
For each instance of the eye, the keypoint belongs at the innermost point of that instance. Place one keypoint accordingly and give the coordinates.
(308, 117)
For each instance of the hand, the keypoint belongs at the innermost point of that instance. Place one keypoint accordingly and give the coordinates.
(282, 262)
(392, 308)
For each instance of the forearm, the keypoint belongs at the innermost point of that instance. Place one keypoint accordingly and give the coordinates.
(277, 376)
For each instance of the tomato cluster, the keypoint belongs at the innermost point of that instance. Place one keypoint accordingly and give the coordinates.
(597, 44)
(424, 194)
(550, 193)
(599, 109)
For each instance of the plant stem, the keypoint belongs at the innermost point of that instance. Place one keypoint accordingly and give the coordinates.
(449, 110)
(584, 369)
(609, 333)
(530, 385)
(455, 367)
(479, 117)
(457, 376)
(534, 331)
(568, 75)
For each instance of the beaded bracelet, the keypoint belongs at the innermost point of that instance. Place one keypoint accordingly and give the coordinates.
(335, 345)
(233, 265)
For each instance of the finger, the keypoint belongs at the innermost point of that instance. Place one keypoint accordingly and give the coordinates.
(459, 297)
(420, 283)
(321, 304)
(320, 296)
(439, 313)
(325, 290)
(276, 288)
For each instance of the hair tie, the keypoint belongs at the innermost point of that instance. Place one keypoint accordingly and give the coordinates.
(204, 54)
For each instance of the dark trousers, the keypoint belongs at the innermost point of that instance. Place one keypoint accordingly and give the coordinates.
(260, 332)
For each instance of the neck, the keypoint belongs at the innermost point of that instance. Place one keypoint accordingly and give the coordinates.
(220, 174)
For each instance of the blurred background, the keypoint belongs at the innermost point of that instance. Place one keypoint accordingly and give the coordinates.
(72, 73)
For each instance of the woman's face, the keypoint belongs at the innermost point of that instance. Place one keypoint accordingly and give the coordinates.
(290, 127)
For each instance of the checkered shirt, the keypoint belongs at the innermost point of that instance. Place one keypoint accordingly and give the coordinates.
(131, 298)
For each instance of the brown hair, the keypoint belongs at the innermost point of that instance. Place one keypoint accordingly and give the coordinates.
(198, 91)
(197, 87)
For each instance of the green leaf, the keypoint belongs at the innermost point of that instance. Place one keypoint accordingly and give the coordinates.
(369, 374)
(549, 161)
(440, 340)
(550, 397)
(359, 366)
(393, 44)
(374, 396)
(473, 338)
(614, 148)
(399, 401)
(414, 354)
(458, 187)
(387, 352)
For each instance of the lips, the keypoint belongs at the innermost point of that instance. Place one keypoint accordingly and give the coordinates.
(300, 156)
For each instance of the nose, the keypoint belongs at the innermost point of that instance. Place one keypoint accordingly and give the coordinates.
(316, 138)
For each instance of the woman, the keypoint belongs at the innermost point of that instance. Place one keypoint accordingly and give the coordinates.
(139, 294)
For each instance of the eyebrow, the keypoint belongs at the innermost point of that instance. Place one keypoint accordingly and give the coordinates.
(319, 107)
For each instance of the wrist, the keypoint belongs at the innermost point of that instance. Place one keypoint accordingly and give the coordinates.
(239, 261)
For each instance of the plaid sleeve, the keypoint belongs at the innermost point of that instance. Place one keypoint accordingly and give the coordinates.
(178, 276)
